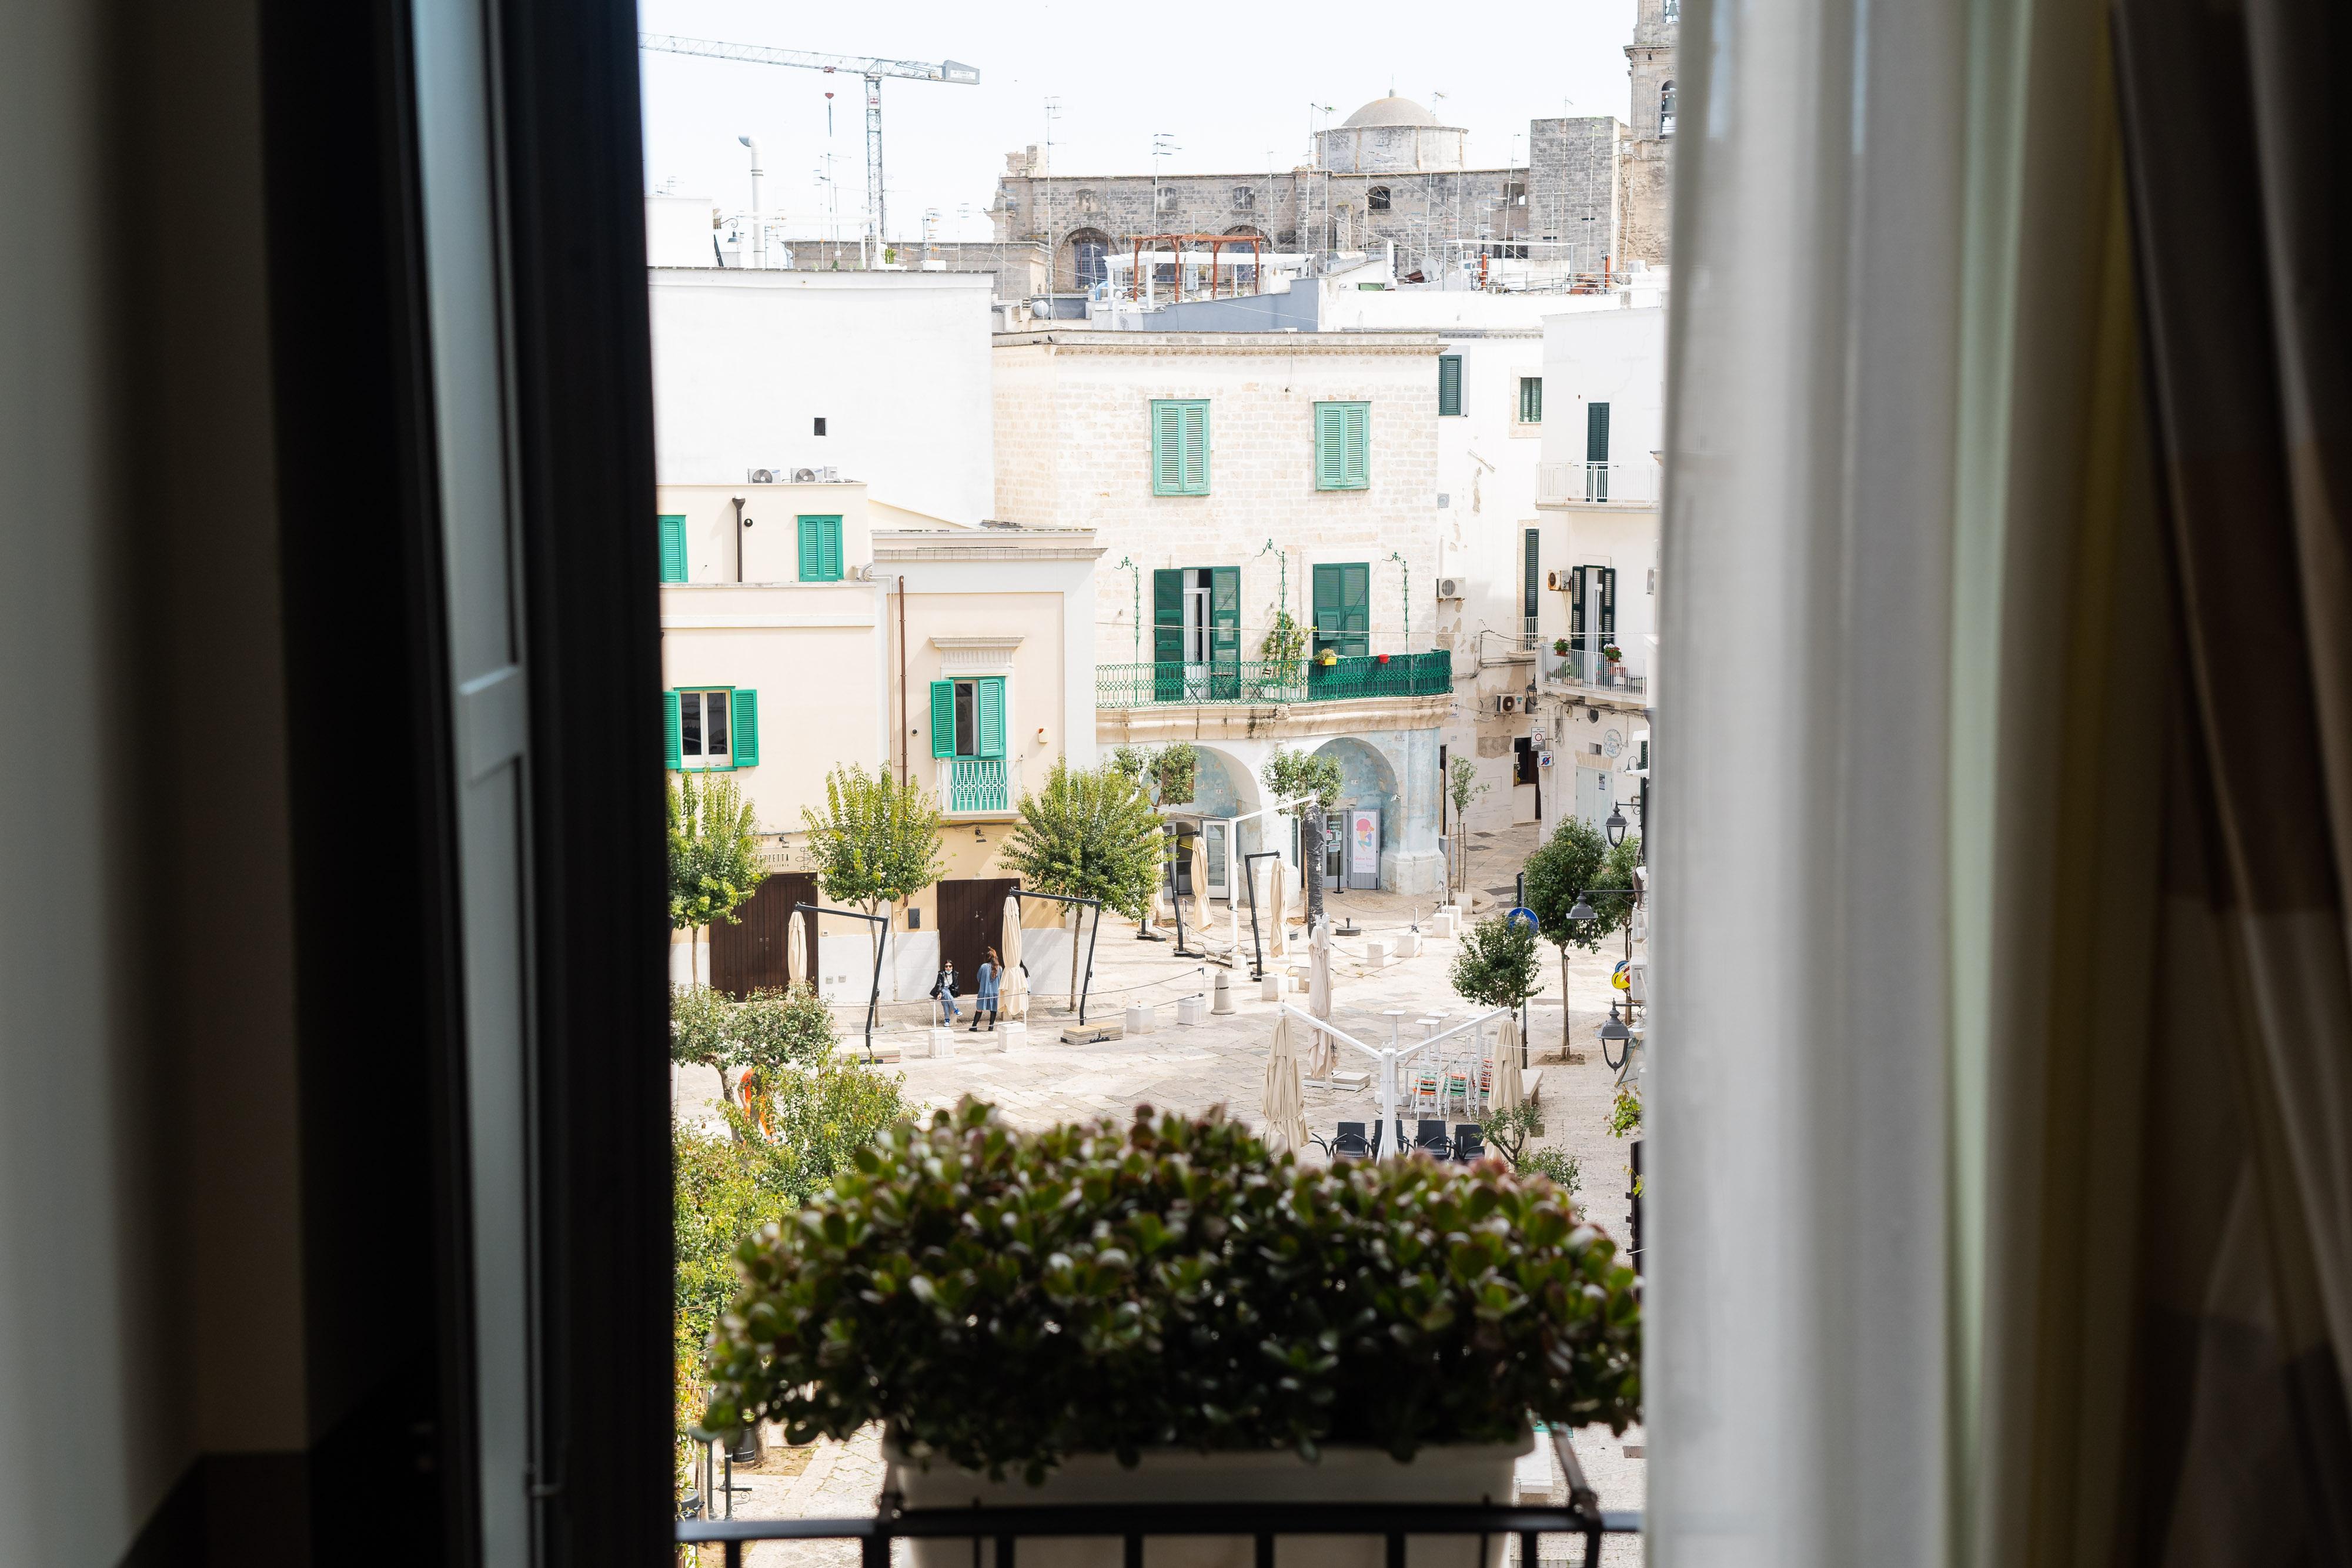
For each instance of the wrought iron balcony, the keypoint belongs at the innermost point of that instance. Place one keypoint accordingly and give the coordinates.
(1586, 669)
(975, 785)
(1263, 682)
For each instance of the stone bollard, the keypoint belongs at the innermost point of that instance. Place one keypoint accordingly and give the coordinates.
(1190, 1010)
(942, 1041)
(1408, 942)
(1269, 989)
(1015, 1034)
(1140, 1018)
(1221, 1003)
(1376, 955)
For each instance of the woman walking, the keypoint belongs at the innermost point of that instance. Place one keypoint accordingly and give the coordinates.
(992, 969)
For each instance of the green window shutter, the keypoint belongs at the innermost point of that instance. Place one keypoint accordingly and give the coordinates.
(746, 719)
(1167, 449)
(1326, 604)
(942, 718)
(1534, 577)
(1607, 604)
(1330, 437)
(1225, 614)
(1196, 448)
(1449, 383)
(812, 550)
(1356, 450)
(992, 715)
(1356, 607)
(673, 548)
(1167, 617)
(673, 750)
(1576, 590)
(1596, 432)
(829, 549)
(1530, 399)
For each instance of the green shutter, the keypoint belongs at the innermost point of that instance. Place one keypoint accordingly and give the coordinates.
(1342, 440)
(1225, 614)
(1167, 617)
(1449, 383)
(673, 748)
(1355, 452)
(1531, 400)
(1179, 447)
(812, 550)
(1356, 607)
(673, 548)
(1329, 438)
(942, 718)
(1608, 603)
(1596, 432)
(990, 704)
(829, 548)
(746, 721)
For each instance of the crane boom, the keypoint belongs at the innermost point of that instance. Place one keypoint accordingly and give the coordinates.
(872, 70)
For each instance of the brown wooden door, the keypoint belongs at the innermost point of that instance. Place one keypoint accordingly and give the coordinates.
(754, 955)
(971, 921)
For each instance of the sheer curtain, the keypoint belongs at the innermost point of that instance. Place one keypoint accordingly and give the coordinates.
(2001, 1097)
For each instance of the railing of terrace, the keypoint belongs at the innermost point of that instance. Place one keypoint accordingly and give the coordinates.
(1261, 682)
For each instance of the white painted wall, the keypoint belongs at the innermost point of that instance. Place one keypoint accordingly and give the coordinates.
(678, 231)
(897, 363)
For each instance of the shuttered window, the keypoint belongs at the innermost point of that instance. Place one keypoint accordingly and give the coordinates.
(1179, 447)
(1449, 383)
(820, 549)
(1343, 608)
(747, 727)
(1596, 432)
(968, 717)
(1531, 400)
(673, 548)
(710, 727)
(1342, 446)
(671, 757)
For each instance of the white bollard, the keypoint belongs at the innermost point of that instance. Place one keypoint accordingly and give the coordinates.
(1015, 1034)
(942, 1041)
(1221, 1003)
(1190, 1010)
(1140, 1018)
(1376, 955)
(1408, 942)
(1269, 989)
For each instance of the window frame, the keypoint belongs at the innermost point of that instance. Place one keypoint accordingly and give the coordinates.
(1332, 420)
(1347, 643)
(827, 535)
(1179, 410)
(1530, 396)
(702, 695)
(1449, 365)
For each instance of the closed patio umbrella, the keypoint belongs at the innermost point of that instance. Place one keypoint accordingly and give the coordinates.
(797, 964)
(1284, 1105)
(1276, 942)
(1012, 986)
(1510, 1089)
(1322, 1056)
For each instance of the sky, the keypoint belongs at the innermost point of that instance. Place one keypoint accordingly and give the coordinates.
(1233, 95)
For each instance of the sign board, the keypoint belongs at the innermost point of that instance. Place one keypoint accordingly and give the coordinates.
(1363, 846)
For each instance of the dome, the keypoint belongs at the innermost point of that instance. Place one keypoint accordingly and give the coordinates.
(1391, 110)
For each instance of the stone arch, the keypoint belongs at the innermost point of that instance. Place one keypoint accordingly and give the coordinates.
(1223, 784)
(1666, 108)
(1376, 200)
(1082, 262)
(1368, 777)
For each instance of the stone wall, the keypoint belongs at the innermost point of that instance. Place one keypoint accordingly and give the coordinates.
(1648, 202)
(1572, 188)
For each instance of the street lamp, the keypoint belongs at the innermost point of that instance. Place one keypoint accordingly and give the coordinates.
(1615, 827)
(1580, 910)
(1614, 1033)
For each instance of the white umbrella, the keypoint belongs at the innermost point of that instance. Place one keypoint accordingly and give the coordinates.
(1510, 1092)
(1012, 986)
(1284, 1105)
(1322, 1056)
(1274, 903)
(796, 964)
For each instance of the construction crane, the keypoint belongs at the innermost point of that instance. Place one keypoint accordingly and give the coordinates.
(873, 70)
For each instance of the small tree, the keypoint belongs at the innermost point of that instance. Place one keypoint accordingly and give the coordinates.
(714, 858)
(1089, 833)
(771, 1032)
(877, 842)
(1497, 965)
(1575, 861)
(1462, 784)
(1288, 773)
(1512, 1131)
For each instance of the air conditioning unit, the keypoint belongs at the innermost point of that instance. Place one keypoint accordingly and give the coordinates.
(764, 476)
(812, 476)
(1552, 580)
(1506, 703)
(1449, 588)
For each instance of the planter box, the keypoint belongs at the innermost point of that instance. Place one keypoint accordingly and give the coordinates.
(1454, 1473)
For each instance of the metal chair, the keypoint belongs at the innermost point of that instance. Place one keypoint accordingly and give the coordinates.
(1433, 1139)
(1469, 1143)
(1349, 1144)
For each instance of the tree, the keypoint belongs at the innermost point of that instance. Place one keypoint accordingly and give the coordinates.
(1167, 773)
(1089, 833)
(1462, 783)
(1288, 773)
(877, 842)
(714, 857)
(1574, 862)
(1497, 965)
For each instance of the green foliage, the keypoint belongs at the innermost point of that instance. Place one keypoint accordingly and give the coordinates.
(816, 1119)
(1624, 1112)
(1003, 1300)
(714, 852)
(697, 1025)
(1288, 773)
(1617, 869)
(1285, 641)
(1496, 965)
(1557, 1166)
(1462, 780)
(767, 1031)
(1568, 863)
(1167, 774)
(1089, 833)
(1510, 1132)
(877, 842)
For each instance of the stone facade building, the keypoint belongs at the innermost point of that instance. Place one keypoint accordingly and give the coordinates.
(1593, 193)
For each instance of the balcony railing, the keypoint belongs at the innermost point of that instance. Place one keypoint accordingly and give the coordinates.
(975, 784)
(1263, 682)
(1597, 483)
(1586, 668)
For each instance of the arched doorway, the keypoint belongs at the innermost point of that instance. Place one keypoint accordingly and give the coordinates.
(1082, 262)
(1368, 783)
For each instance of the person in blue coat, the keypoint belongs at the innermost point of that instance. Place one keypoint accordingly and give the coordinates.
(992, 970)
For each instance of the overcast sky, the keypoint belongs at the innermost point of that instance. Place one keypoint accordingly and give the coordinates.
(1234, 93)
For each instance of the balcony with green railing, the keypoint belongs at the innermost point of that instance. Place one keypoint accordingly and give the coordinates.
(975, 784)
(1260, 682)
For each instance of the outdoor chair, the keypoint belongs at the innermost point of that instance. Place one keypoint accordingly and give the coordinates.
(1469, 1143)
(1349, 1144)
(1380, 1128)
(1433, 1138)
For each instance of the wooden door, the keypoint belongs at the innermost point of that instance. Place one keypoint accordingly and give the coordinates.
(754, 955)
(971, 921)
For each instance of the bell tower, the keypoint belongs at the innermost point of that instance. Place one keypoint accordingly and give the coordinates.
(1646, 188)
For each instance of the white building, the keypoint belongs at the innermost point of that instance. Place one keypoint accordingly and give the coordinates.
(877, 376)
(1233, 477)
(1594, 576)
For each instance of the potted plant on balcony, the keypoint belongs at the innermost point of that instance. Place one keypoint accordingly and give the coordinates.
(1174, 1313)
(1616, 659)
(1559, 646)
(1285, 651)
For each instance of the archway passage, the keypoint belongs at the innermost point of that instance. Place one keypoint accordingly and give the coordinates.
(1083, 260)
(1367, 822)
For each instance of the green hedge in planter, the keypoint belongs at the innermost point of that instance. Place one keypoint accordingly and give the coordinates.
(1004, 1300)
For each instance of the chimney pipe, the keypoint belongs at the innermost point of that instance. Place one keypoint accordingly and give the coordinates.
(759, 226)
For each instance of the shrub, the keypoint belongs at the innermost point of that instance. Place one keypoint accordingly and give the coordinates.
(1004, 1300)
(1496, 965)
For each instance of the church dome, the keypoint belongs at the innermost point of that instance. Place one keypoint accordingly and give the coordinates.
(1391, 110)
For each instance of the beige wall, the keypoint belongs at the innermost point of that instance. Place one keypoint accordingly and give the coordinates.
(771, 541)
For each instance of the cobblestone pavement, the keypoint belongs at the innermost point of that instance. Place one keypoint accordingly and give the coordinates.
(1221, 1062)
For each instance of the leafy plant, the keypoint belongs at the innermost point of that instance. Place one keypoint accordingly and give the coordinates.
(1286, 644)
(714, 856)
(1167, 774)
(1624, 1112)
(877, 842)
(1462, 784)
(1510, 1132)
(1288, 773)
(1004, 1300)
(1613, 652)
(1576, 860)
(1089, 833)
(770, 1033)
(697, 1025)
(1559, 646)
(1496, 965)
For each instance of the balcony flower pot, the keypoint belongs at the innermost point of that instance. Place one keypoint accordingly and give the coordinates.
(1175, 1310)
